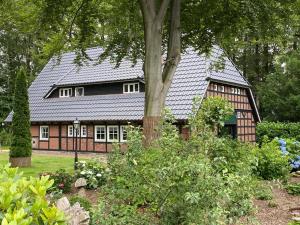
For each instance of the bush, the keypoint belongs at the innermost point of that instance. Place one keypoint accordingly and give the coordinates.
(62, 181)
(271, 163)
(93, 172)
(277, 129)
(23, 200)
(293, 189)
(263, 191)
(5, 138)
(176, 181)
(21, 136)
(84, 203)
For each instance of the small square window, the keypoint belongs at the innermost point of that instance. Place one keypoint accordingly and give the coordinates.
(131, 88)
(79, 91)
(65, 92)
(222, 89)
(44, 133)
(70, 131)
(100, 134)
(215, 87)
(113, 133)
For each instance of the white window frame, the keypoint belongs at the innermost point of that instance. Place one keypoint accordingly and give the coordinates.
(122, 127)
(73, 134)
(62, 90)
(41, 133)
(95, 133)
(81, 130)
(215, 87)
(222, 88)
(76, 91)
(118, 133)
(238, 91)
(128, 88)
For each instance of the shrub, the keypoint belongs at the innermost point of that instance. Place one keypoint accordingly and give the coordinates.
(5, 138)
(293, 189)
(23, 200)
(277, 129)
(21, 136)
(271, 163)
(176, 181)
(62, 181)
(263, 191)
(84, 203)
(93, 172)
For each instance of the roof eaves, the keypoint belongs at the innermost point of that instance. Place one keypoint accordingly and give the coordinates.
(227, 82)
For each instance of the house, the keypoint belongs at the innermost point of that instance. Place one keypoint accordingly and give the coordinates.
(105, 99)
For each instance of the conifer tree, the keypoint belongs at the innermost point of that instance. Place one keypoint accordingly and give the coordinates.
(21, 136)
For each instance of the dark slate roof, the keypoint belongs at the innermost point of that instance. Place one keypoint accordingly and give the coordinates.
(191, 79)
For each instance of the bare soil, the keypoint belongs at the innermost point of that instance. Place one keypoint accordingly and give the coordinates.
(279, 213)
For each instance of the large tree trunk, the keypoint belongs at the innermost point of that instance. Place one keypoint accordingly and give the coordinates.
(158, 75)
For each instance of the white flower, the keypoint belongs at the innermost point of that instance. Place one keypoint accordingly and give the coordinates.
(82, 172)
(98, 175)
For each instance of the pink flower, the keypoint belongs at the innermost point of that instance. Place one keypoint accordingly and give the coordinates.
(61, 185)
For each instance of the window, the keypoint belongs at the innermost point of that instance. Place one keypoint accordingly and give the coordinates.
(71, 131)
(83, 131)
(131, 88)
(113, 133)
(123, 133)
(100, 134)
(215, 87)
(44, 133)
(222, 89)
(79, 91)
(232, 90)
(65, 92)
(238, 91)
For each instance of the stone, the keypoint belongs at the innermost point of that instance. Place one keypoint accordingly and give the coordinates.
(80, 182)
(75, 215)
(82, 193)
(298, 172)
(296, 219)
(63, 204)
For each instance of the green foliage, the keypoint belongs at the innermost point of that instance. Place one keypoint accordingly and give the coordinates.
(93, 171)
(271, 163)
(21, 136)
(176, 181)
(277, 129)
(293, 189)
(262, 191)
(214, 112)
(62, 180)
(84, 203)
(282, 100)
(5, 137)
(23, 201)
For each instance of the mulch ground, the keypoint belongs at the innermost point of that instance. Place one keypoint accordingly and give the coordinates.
(279, 213)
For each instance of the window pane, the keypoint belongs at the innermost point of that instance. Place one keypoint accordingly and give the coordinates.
(126, 88)
(131, 87)
(136, 87)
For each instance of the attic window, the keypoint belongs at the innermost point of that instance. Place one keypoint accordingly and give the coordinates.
(131, 88)
(65, 92)
(79, 91)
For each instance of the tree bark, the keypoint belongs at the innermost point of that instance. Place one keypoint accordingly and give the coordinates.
(158, 76)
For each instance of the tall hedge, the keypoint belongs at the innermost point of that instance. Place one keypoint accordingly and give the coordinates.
(277, 129)
(21, 136)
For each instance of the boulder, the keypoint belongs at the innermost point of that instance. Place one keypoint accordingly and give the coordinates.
(80, 182)
(75, 215)
(82, 193)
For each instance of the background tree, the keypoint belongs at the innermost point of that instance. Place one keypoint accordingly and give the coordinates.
(280, 94)
(149, 29)
(20, 151)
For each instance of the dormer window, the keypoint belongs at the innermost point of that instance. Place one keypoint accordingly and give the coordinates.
(65, 92)
(79, 91)
(131, 88)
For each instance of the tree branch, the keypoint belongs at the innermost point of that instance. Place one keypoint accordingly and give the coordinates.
(162, 10)
(174, 45)
(73, 19)
(148, 9)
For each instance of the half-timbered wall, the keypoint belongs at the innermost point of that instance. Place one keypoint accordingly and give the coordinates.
(240, 100)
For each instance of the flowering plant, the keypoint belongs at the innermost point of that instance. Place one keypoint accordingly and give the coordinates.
(93, 172)
(62, 180)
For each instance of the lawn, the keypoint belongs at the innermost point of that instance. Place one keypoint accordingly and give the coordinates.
(43, 163)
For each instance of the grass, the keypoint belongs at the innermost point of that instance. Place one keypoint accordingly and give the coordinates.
(43, 163)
